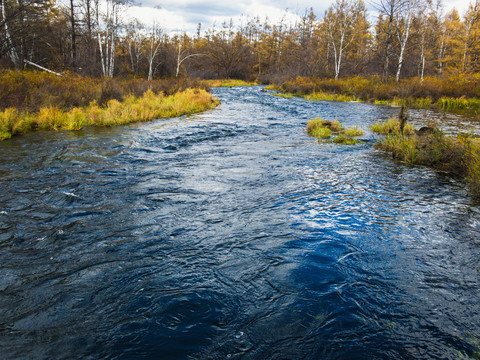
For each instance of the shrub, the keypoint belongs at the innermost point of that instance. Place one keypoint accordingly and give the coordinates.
(31, 90)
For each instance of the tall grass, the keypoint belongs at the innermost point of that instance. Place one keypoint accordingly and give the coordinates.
(447, 93)
(228, 83)
(458, 155)
(32, 91)
(392, 127)
(133, 109)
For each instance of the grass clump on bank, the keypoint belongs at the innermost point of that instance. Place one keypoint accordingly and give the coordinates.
(391, 126)
(448, 93)
(228, 83)
(323, 130)
(132, 109)
(458, 155)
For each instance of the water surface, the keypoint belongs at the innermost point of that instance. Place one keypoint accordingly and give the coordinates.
(233, 235)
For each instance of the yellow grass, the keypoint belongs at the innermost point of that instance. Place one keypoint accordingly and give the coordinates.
(133, 109)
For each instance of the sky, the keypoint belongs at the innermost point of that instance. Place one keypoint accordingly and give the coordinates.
(183, 15)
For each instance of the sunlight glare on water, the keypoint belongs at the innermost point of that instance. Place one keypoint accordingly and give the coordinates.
(232, 234)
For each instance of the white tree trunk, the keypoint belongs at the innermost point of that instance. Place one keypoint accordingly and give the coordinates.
(12, 52)
(404, 38)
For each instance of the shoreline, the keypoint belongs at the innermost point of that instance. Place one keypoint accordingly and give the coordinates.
(132, 109)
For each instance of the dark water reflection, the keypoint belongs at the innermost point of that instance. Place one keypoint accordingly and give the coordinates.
(231, 234)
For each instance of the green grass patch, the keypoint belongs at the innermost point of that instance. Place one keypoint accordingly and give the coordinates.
(132, 109)
(391, 127)
(283, 95)
(321, 132)
(323, 129)
(458, 155)
(353, 132)
(343, 139)
(319, 96)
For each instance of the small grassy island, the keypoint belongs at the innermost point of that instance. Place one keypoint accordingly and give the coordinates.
(39, 101)
(458, 155)
(323, 130)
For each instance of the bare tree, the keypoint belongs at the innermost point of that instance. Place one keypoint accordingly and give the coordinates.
(107, 33)
(340, 21)
(152, 47)
(403, 33)
(389, 9)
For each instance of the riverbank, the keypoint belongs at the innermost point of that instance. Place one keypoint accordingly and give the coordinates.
(452, 94)
(132, 109)
(38, 101)
(458, 155)
(227, 83)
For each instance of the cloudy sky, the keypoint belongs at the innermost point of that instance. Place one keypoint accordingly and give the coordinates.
(184, 15)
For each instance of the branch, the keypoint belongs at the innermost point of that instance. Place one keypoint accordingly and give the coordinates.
(44, 69)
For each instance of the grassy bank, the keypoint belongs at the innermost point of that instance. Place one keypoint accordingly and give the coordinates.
(333, 131)
(132, 109)
(453, 93)
(31, 91)
(227, 83)
(31, 100)
(457, 155)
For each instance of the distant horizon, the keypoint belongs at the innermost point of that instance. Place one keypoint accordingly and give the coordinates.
(184, 15)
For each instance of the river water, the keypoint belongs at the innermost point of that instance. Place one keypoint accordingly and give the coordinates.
(233, 235)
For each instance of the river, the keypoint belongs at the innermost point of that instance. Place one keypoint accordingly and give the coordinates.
(231, 234)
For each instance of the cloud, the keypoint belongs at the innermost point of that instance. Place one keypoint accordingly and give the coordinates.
(184, 15)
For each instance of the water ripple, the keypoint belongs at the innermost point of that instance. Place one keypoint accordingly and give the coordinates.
(232, 234)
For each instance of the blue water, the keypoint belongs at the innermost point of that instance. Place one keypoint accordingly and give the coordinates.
(233, 235)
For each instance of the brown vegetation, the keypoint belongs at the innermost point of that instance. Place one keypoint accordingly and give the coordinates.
(31, 91)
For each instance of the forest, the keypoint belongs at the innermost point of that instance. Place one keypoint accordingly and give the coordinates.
(409, 38)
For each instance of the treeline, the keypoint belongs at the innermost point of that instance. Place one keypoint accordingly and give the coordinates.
(410, 38)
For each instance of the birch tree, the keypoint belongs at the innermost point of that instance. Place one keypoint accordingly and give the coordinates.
(389, 11)
(403, 32)
(152, 48)
(108, 26)
(340, 22)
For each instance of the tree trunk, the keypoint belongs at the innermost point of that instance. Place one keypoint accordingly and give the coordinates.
(73, 36)
(12, 52)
